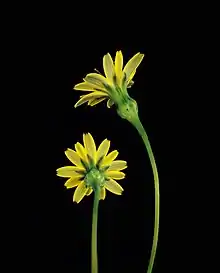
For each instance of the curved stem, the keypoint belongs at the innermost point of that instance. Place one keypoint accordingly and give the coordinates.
(94, 255)
(138, 125)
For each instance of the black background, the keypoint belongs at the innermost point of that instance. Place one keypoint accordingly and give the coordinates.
(54, 48)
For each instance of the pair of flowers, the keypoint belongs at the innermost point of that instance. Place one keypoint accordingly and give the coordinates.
(93, 164)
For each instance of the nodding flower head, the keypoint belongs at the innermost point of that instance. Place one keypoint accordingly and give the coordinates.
(113, 86)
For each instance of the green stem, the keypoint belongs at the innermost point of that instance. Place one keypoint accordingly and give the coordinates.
(94, 255)
(138, 125)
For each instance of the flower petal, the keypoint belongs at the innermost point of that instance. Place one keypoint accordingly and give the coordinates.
(110, 103)
(113, 187)
(86, 86)
(89, 191)
(81, 151)
(108, 66)
(131, 77)
(115, 174)
(102, 193)
(80, 192)
(89, 144)
(132, 65)
(118, 165)
(103, 149)
(118, 66)
(92, 95)
(109, 158)
(73, 157)
(70, 171)
(72, 182)
(95, 101)
(96, 79)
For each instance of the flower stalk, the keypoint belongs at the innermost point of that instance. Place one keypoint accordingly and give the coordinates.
(129, 110)
(94, 255)
(138, 125)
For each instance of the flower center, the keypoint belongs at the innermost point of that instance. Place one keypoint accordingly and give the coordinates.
(94, 178)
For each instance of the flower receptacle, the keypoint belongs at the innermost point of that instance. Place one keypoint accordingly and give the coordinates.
(95, 179)
(128, 109)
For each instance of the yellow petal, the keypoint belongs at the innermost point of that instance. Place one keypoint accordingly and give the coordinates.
(93, 102)
(69, 171)
(118, 165)
(108, 66)
(89, 191)
(132, 65)
(118, 64)
(81, 151)
(103, 149)
(72, 182)
(96, 79)
(74, 157)
(92, 95)
(113, 187)
(102, 193)
(109, 158)
(115, 174)
(131, 77)
(80, 192)
(85, 86)
(110, 103)
(90, 146)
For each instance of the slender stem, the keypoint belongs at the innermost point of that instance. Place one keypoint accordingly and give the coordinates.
(94, 255)
(138, 125)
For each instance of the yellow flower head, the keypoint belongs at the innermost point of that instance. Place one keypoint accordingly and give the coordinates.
(115, 83)
(93, 168)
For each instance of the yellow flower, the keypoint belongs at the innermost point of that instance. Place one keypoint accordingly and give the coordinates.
(115, 83)
(93, 168)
